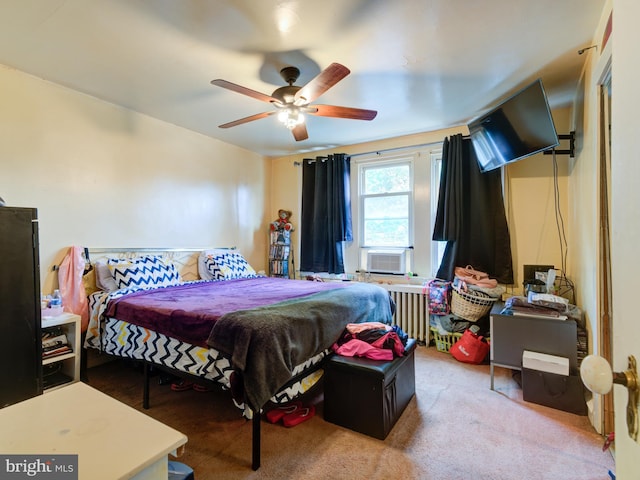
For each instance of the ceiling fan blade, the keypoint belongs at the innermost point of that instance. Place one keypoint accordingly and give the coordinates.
(300, 132)
(342, 112)
(321, 83)
(251, 118)
(243, 90)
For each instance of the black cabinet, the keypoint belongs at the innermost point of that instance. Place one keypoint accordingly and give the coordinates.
(20, 341)
(513, 334)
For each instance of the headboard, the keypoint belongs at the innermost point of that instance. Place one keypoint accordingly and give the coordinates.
(185, 260)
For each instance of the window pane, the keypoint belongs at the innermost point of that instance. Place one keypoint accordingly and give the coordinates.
(395, 178)
(386, 221)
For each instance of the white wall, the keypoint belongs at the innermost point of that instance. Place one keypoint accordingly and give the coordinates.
(104, 176)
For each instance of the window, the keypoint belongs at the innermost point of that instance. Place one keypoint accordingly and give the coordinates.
(385, 199)
(397, 193)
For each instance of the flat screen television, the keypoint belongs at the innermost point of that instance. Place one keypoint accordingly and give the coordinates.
(517, 128)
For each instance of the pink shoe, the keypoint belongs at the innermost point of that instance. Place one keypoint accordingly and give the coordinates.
(275, 414)
(299, 416)
(181, 385)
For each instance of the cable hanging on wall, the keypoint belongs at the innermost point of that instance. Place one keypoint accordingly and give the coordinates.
(565, 286)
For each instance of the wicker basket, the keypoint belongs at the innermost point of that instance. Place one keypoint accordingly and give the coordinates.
(471, 305)
(444, 342)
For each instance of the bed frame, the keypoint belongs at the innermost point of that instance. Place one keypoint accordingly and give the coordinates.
(186, 261)
(256, 416)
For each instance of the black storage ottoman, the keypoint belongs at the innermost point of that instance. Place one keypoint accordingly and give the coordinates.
(368, 396)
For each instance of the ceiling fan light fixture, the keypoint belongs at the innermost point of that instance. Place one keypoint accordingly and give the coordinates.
(291, 101)
(291, 117)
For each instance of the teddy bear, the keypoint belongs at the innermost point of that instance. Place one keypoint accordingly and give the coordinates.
(282, 223)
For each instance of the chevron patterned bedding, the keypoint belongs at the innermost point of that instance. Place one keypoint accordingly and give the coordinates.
(122, 339)
(252, 335)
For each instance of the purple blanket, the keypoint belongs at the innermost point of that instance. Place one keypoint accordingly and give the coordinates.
(188, 312)
(266, 343)
(266, 326)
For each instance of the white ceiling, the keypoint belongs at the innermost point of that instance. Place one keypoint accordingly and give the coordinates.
(422, 64)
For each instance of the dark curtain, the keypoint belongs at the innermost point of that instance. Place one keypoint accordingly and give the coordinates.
(470, 215)
(326, 213)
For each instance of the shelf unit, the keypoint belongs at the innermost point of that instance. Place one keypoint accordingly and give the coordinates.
(279, 253)
(62, 369)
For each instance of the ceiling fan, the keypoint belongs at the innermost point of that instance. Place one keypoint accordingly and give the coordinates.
(292, 102)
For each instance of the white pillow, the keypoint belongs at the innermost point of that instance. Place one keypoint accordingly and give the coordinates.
(104, 279)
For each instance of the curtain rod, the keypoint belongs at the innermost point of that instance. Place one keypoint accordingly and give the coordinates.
(394, 149)
(310, 160)
(386, 150)
(378, 152)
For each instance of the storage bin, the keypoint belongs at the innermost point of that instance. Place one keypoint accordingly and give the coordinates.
(444, 342)
(471, 305)
(563, 392)
(368, 396)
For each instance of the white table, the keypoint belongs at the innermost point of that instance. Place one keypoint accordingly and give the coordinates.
(111, 439)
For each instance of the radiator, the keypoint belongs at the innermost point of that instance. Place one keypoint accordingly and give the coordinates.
(411, 314)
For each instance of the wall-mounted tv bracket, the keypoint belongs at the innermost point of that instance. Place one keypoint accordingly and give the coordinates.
(571, 136)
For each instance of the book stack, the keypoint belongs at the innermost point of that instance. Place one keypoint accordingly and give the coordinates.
(54, 342)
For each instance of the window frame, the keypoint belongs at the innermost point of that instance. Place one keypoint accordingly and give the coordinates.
(363, 167)
(422, 253)
(437, 247)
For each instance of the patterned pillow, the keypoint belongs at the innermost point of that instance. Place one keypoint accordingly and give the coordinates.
(148, 271)
(225, 265)
(203, 270)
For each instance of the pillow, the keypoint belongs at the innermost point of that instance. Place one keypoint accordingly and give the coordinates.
(104, 279)
(227, 264)
(148, 271)
(203, 271)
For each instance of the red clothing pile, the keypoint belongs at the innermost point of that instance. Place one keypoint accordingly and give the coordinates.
(373, 340)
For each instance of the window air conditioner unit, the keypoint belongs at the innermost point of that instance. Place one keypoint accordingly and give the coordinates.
(386, 261)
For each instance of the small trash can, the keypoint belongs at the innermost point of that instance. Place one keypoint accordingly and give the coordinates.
(180, 471)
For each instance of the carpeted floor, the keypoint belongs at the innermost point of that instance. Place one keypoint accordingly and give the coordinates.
(454, 428)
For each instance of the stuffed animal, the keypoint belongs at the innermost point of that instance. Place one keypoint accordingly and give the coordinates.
(282, 223)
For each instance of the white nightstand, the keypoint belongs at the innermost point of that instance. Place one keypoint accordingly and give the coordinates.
(63, 369)
(111, 439)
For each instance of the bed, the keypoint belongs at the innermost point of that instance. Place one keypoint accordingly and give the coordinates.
(207, 314)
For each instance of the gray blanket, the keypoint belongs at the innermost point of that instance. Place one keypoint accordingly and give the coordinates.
(266, 343)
